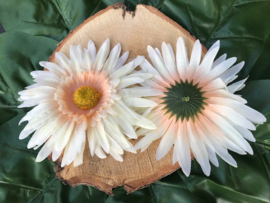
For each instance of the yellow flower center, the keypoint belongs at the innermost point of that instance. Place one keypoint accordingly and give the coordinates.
(86, 97)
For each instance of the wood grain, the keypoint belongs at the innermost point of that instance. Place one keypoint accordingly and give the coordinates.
(134, 31)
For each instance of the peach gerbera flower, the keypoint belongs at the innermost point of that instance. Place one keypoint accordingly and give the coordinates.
(83, 100)
(197, 109)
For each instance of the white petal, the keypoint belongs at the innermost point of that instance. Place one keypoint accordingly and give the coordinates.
(139, 120)
(56, 154)
(245, 133)
(157, 117)
(196, 54)
(171, 51)
(158, 64)
(92, 49)
(57, 70)
(174, 154)
(169, 61)
(159, 54)
(228, 130)
(43, 134)
(232, 115)
(207, 63)
(139, 102)
(114, 132)
(112, 60)
(227, 75)
(41, 73)
(148, 68)
(37, 91)
(210, 131)
(124, 70)
(140, 74)
(62, 125)
(215, 144)
(137, 61)
(116, 148)
(224, 94)
(206, 136)
(194, 60)
(44, 152)
(166, 142)
(210, 56)
(79, 157)
(125, 82)
(99, 152)
(182, 150)
(144, 148)
(236, 86)
(87, 60)
(116, 156)
(246, 111)
(232, 79)
(212, 155)
(218, 70)
(181, 58)
(40, 120)
(25, 133)
(153, 135)
(35, 101)
(215, 45)
(74, 60)
(125, 126)
(198, 148)
(71, 150)
(51, 82)
(214, 85)
(63, 62)
(122, 60)
(102, 137)
(80, 134)
(114, 82)
(219, 60)
(102, 55)
(91, 140)
(140, 92)
(31, 142)
(64, 135)
(38, 110)
(223, 153)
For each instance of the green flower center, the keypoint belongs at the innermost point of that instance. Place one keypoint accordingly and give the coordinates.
(184, 100)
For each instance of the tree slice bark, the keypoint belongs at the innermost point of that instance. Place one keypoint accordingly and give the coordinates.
(134, 31)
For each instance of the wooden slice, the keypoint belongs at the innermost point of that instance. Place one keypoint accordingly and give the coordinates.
(134, 31)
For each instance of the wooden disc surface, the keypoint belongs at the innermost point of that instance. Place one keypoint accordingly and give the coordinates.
(134, 31)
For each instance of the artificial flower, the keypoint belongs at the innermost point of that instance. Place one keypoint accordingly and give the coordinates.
(82, 99)
(198, 110)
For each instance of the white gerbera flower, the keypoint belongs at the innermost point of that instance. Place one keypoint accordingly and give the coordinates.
(197, 110)
(81, 97)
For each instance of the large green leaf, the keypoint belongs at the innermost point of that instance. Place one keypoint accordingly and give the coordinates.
(243, 29)
(53, 18)
(240, 25)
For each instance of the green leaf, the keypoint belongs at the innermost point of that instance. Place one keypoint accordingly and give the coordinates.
(54, 18)
(240, 26)
(19, 55)
(258, 96)
(34, 27)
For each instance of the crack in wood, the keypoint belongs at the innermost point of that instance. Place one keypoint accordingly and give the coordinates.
(125, 9)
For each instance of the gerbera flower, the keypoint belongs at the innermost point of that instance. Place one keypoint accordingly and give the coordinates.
(198, 109)
(81, 98)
